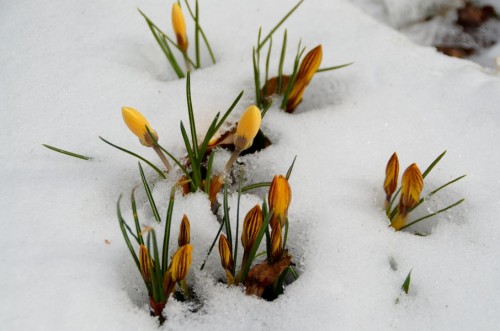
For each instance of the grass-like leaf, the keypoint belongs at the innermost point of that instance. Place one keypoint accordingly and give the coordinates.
(226, 219)
(333, 68)
(433, 164)
(235, 253)
(62, 151)
(150, 195)
(157, 269)
(201, 32)
(121, 222)
(433, 214)
(140, 239)
(268, 235)
(437, 190)
(160, 38)
(268, 58)
(212, 246)
(266, 108)
(282, 62)
(263, 42)
(197, 33)
(285, 237)
(166, 235)
(406, 284)
(135, 155)
(289, 172)
(192, 123)
(256, 75)
(254, 186)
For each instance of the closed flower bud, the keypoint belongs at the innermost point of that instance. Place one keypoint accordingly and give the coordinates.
(225, 253)
(308, 67)
(411, 187)
(181, 261)
(184, 232)
(276, 242)
(391, 176)
(215, 185)
(251, 227)
(137, 123)
(179, 25)
(145, 263)
(248, 127)
(280, 196)
(310, 64)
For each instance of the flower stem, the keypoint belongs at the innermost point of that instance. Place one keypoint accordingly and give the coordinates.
(232, 159)
(163, 158)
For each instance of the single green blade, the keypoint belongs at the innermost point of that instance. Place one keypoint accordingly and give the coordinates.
(149, 194)
(62, 151)
(135, 155)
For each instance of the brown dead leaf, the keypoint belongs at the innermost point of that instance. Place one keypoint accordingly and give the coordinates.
(472, 16)
(459, 52)
(271, 86)
(264, 274)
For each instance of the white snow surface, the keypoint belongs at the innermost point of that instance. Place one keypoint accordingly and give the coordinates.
(68, 67)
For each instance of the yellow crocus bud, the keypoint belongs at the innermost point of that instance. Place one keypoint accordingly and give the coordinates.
(251, 227)
(248, 127)
(225, 253)
(391, 177)
(179, 25)
(276, 242)
(137, 123)
(280, 196)
(145, 263)
(412, 184)
(184, 232)
(308, 67)
(181, 261)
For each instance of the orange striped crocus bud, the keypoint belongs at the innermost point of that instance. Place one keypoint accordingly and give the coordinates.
(215, 186)
(280, 196)
(145, 263)
(184, 232)
(226, 258)
(391, 178)
(308, 67)
(412, 184)
(179, 25)
(181, 261)
(247, 128)
(251, 227)
(276, 242)
(137, 123)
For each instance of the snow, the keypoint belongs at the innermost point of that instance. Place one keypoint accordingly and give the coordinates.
(69, 66)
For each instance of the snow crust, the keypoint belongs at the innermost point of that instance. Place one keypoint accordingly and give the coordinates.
(68, 67)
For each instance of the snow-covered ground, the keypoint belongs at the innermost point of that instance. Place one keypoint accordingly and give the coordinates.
(432, 23)
(68, 67)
